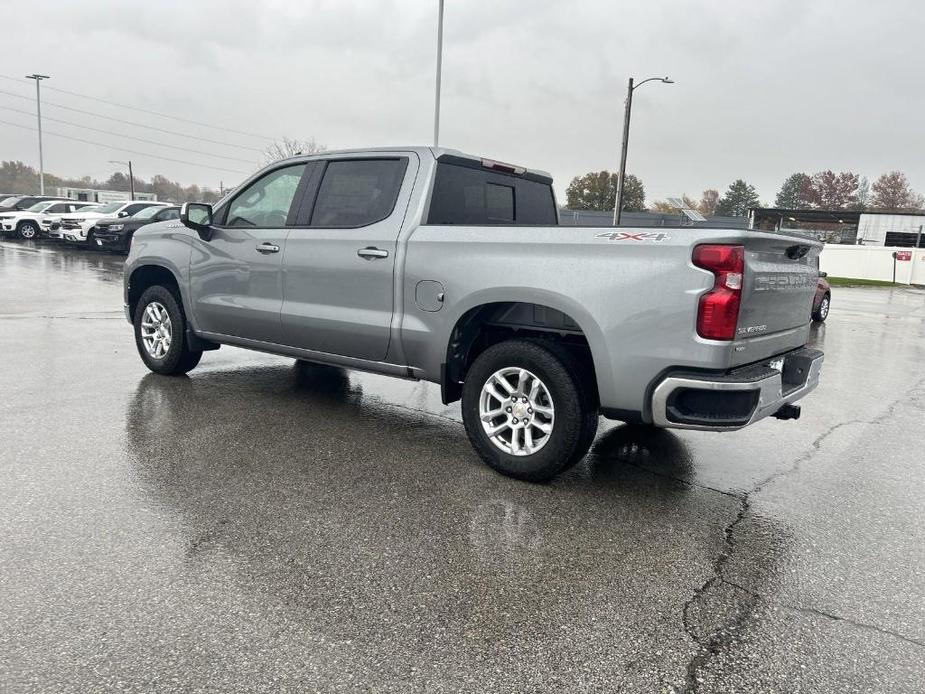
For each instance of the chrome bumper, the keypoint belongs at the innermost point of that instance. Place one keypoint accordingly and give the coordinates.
(767, 386)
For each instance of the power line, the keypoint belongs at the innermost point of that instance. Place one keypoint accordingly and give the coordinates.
(133, 123)
(130, 137)
(123, 149)
(153, 113)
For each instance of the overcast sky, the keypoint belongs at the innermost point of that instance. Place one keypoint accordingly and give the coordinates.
(763, 88)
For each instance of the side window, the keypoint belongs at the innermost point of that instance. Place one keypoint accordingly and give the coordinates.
(168, 214)
(132, 209)
(58, 208)
(358, 192)
(266, 202)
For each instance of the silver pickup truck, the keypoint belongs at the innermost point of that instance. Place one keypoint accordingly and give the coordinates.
(431, 264)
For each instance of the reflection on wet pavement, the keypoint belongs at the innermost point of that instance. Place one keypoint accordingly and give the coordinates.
(264, 524)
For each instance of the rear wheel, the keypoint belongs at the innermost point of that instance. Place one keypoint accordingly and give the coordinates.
(160, 332)
(27, 230)
(527, 413)
(821, 313)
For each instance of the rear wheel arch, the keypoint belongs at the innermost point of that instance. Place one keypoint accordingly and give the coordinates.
(487, 324)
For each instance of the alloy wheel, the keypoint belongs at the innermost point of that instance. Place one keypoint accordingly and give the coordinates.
(516, 411)
(156, 330)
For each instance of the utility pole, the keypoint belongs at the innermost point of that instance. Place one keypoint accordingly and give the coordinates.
(131, 176)
(621, 177)
(38, 109)
(439, 71)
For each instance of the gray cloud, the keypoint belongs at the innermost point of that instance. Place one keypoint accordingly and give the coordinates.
(763, 89)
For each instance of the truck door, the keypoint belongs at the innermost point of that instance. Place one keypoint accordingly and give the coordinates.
(339, 260)
(236, 276)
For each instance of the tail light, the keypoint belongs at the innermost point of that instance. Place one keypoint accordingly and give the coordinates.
(719, 308)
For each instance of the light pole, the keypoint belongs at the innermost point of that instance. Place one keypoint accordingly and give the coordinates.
(618, 204)
(131, 177)
(38, 109)
(439, 71)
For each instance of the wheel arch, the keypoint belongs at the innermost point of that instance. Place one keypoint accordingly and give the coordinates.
(490, 317)
(148, 275)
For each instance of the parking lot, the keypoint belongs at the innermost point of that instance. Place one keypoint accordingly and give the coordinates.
(264, 525)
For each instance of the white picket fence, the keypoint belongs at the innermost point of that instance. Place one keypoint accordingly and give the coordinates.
(873, 263)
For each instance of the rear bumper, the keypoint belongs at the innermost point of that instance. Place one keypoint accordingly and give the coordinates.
(735, 399)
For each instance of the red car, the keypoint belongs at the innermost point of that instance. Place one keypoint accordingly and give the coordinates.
(823, 299)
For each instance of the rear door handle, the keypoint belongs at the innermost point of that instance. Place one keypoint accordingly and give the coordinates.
(370, 253)
(267, 247)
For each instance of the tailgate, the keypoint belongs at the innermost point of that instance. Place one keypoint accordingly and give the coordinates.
(779, 285)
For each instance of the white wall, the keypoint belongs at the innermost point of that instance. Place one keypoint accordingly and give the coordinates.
(872, 228)
(872, 263)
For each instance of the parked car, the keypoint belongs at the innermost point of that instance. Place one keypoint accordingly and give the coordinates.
(115, 234)
(29, 223)
(418, 263)
(76, 228)
(24, 202)
(822, 302)
(52, 220)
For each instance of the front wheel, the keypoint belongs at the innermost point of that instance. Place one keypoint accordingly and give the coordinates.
(526, 411)
(821, 313)
(160, 331)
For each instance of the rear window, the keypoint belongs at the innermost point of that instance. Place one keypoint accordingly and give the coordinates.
(474, 196)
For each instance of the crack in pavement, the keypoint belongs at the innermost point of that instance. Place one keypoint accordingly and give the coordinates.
(722, 636)
(828, 615)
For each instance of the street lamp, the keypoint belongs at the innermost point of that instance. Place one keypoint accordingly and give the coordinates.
(131, 178)
(439, 71)
(618, 204)
(38, 109)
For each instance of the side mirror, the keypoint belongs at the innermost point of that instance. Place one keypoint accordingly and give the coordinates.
(198, 217)
(823, 274)
(123, 213)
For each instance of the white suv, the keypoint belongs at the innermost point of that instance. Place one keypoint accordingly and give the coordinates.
(29, 223)
(76, 228)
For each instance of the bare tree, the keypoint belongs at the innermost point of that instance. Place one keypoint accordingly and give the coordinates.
(892, 192)
(285, 148)
(831, 191)
(708, 200)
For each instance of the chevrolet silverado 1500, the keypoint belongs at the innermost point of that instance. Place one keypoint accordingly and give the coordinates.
(430, 264)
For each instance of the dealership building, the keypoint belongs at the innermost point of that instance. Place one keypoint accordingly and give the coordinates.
(903, 229)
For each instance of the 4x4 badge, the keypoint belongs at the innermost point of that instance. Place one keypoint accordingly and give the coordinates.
(634, 236)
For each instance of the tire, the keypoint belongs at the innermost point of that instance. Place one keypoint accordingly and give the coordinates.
(821, 313)
(28, 231)
(583, 375)
(169, 357)
(563, 403)
(89, 243)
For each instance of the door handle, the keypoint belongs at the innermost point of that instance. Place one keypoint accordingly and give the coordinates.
(267, 247)
(371, 253)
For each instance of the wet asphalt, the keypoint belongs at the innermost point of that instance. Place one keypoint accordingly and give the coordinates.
(267, 526)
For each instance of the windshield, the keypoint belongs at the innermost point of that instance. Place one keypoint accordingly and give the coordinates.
(40, 206)
(8, 202)
(109, 207)
(148, 212)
